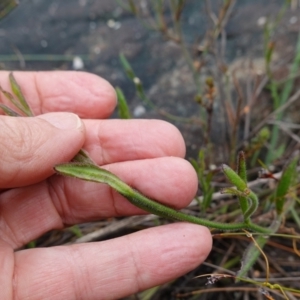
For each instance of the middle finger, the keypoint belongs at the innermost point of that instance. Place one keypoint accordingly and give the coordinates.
(27, 213)
(110, 141)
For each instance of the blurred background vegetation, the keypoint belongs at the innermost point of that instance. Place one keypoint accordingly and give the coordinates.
(226, 73)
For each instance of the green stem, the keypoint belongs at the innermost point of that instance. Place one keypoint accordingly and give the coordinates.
(242, 172)
(91, 172)
(253, 206)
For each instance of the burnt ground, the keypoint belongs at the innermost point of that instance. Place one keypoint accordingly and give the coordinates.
(46, 35)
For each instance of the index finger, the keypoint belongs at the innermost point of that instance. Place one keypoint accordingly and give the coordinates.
(84, 94)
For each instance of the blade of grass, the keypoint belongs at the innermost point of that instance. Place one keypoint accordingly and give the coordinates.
(17, 91)
(284, 185)
(11, 99)
(6, 6)
(287, 89)
(123, 109)
(8, 111)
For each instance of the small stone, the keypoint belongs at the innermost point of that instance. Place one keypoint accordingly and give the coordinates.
(293, 20)
(136, 80)
(261, 21)
(78, 63)
(113, 24)
(139, 111)
(44, 43)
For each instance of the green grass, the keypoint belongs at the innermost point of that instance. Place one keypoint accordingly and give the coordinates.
(270, 202)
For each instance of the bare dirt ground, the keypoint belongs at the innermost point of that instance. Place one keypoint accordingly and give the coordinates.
(98, 31)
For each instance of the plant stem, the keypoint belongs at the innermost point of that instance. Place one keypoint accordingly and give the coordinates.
(91, 172)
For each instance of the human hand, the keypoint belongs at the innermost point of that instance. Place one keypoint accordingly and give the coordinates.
(147, 154)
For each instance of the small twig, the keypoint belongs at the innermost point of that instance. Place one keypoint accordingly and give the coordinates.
(289, 102)
(286, 129)
(113, 228)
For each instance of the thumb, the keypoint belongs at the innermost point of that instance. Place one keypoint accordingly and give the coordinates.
(30, 147)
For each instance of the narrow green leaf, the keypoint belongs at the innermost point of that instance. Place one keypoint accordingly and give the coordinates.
(242, 172)
(18, 92)
(148, 294)
(132, 7)
(251, 255)
(8, 111)
(123, 109)
(241, 166)
(285, 182)
(205, 179)
(76, 230)
(252, 206)
(6, 6)
(83, 157)
(91, 172)
(31, 244)
(11, 99)
(127, 67)
(195, 165)
(252, 252)
(269, 52)
(234, 178)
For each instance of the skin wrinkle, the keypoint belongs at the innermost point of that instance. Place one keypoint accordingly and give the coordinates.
(39, 94)
(113, 195)
(75, 82)
(161, 136)
(68, 213)
(106, 95)
(53, 196)
(133, 147)
(100, 145)
(136, 272)
(64, 212)
(91, 96)
(25, 147)
(7, 267)
(75, 256)
(9, 237)
(103, 140)
(8, 231)
(18, 236)
(31, 144)
(23, 141)
(14, 279)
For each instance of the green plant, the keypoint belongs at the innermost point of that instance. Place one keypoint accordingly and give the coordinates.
(83, 167)
(6, 6)
(280, 94)
(204, 178)
(123, 109)
(217, 85)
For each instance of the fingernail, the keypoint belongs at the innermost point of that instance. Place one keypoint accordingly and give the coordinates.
(62, 120)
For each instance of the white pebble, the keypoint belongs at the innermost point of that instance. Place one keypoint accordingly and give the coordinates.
(113, 24)
(78, 63)
(261, 21)
(139, 111)
(293, 20)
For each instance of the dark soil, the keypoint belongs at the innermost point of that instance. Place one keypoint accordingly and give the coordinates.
(46, 35)
(98, 31)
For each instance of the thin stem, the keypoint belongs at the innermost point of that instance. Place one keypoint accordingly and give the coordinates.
(91, 172)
